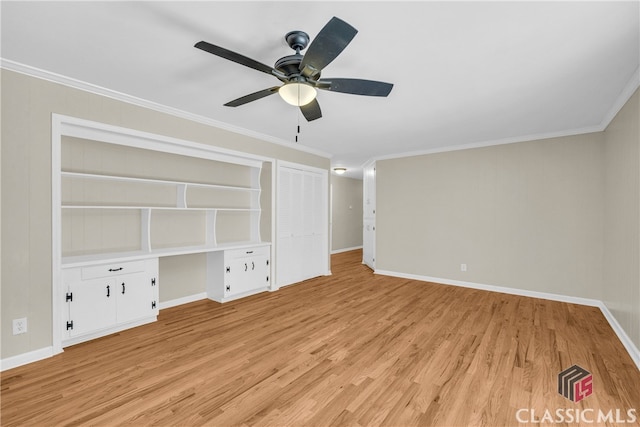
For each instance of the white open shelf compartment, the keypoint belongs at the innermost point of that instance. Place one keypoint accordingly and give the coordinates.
(226, 216)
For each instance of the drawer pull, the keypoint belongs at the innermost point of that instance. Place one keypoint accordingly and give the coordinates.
(108, 291)
(122, 288)
(115, 269)
(249, 252)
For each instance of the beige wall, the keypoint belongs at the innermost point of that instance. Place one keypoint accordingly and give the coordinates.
(559, 216)
(346, 211)
(525, 216)
(27, 105)
(621, 285)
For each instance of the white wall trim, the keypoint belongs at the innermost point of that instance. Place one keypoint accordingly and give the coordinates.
(622, 99)
(624, 96)
(25, 358)
(119, 96)
(87, 129)
(339, 251)
(184, 300)
(302, 167)
(483, 144)
(633, 351)
(492, 288)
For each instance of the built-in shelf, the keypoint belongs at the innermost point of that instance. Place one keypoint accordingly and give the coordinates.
(152, 181)
(122, 197)
(147, 209)
(166, 208)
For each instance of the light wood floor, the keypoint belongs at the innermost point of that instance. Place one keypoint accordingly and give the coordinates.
(349, 349)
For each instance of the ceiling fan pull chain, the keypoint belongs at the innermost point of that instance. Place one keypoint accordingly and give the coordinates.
(298, 118)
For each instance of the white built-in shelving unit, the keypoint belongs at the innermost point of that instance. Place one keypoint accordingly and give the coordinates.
(244, 200)
(123, 199)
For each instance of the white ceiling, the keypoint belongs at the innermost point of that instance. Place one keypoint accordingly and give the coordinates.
(465, 73)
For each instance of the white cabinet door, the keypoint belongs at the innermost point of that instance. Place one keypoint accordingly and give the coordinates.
(246, 270)
(256, 272)
(92, 306)
(135, 297)
(239, 279)
(106, 297)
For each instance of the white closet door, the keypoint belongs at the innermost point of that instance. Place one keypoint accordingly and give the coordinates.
(285, 269)
(302, 247)
(317, 227)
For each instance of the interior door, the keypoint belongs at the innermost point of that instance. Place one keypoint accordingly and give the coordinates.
(369, 216)
(302, 224)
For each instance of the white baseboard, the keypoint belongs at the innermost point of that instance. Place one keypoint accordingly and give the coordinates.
(622, 335)
(492, 288)
(44, 353)
(25, 358)
(633, 351)
(339, 251)
(183, 300)
(241, 295)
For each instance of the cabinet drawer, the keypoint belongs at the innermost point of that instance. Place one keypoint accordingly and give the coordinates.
(246, 252)
(107, 270)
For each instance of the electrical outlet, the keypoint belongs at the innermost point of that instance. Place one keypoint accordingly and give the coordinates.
(463, 267)
(20, 326)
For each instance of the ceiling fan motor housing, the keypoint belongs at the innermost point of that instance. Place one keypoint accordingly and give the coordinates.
(289, 66)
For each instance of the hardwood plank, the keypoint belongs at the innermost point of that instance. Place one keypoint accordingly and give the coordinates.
(350, 349)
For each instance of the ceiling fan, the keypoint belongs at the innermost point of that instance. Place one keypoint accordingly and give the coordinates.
(301, 74)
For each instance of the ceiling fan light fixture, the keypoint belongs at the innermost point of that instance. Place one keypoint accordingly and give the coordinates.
(297, 93)
(340, 171)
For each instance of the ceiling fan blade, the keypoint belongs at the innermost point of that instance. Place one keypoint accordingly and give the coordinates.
(311, 111)
(233, 56)
(252, 97)
(330, 41)
(356, 86)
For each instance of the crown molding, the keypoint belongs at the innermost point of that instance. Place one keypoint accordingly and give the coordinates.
(624, 96)
(28, 70)
(490, 143)
(626, 93)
